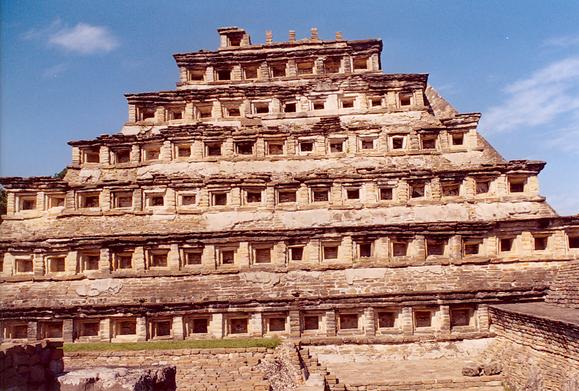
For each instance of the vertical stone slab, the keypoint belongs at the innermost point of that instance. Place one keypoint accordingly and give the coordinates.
(445, 319)
(242, 256)
(374, 62)
(558, 243)
(346, 64)
(483, 317)
(32, 331)
(40, 200)
(235, 197)
(170, 200)
(312, 251)
(279, 253)
(336, 195)
(294, 322)
(275, 106)
(263, 71)
(203, 198)
(67, 330)
(227, 148)
(303, 196)
(182, 74)
(160, 115)
(291, 68)
(166, 152)
(10, 203)
(105, 199)
(135, 153)
(38, 264)
(137, 199)
(132, 114)
(471, 139)
(260, 148)
(369, 321)
(269, 195)
(532, 186)
(105, 261)
(468, 188)
(71, 262)
(346, 250)
(332, 102)
(402, 192)
(216, 109)
(236, 72)
(105, 330)
(526, 243)
(331, 323)
(69, 200)
(455, 247)
(391, 101)
(417, 248)
(5, 268)
(381, 249)
(76, 156)
(255, 326)
(141, 329)
(189, 112)
(216, 327)
(177, 328)
(197, 150)
(104, 155)
(139, 259)
(173, 259)
(435, 189)
(501, 185)
(208, 257)
(369, 193)
(406, 321)
(490, 247)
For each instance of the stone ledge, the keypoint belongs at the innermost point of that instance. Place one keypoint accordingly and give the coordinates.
(392, 340)
(548, 312)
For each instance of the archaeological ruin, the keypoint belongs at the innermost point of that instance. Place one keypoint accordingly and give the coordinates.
(294, 190)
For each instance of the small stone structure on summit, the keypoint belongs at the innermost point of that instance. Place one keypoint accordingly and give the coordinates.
(293, 189)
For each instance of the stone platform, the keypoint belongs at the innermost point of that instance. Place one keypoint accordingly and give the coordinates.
(437, 374)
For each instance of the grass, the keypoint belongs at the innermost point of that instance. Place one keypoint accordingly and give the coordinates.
(168, 345)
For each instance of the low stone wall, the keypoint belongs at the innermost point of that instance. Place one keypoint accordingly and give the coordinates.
(29, 367)
(563, 289)
(538, 345)
(197, 369)
(344, 353)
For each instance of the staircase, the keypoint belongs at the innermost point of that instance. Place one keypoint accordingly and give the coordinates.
(406, 375)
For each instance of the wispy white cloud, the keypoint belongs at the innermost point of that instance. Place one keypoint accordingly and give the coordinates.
(562, 41)
(549, 94)
(84, 39)
(54, 71)
(42, 33)
(566, 139)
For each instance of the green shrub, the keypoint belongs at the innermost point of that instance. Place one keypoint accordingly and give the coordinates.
(168, 345)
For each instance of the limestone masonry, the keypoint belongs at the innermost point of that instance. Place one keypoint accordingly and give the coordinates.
(290, 189)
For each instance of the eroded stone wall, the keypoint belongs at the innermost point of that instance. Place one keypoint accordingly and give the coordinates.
(29, 367)
(564, 289)
(538, 346)
(209, 369)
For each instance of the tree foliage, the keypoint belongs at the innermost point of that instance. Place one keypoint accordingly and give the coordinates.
(61, 174)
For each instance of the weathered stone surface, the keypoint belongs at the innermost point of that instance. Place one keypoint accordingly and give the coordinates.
(92, 288)
(472, 369)
(292, 190)
(118, 379)
(29, 367)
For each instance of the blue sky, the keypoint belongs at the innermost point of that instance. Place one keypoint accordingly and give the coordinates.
(64, 66)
